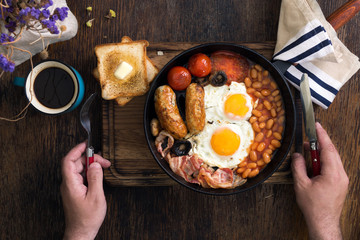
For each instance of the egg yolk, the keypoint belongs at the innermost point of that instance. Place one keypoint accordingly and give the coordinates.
(225, 142)
(235, 106)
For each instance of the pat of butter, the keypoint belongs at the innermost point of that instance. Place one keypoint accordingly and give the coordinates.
(123, 70)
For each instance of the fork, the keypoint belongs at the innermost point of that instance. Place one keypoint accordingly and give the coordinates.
(85, 122)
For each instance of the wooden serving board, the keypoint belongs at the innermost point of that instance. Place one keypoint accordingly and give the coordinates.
(123, 137)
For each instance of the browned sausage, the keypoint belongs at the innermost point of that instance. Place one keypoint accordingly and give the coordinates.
(168, 112)
(195, 108)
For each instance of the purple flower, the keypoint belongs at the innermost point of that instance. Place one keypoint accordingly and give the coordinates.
(62, 13)
(6, 38)
(10, 9)
(6, 65)
(35, 13)
(24, 16)
(45, 13)
(50, 3)
(11, 26)
(9, 2)
(54, 18)
(3, 37)
(23, 13)
(49, 24)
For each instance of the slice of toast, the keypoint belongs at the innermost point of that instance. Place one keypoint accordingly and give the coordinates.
(110, 56)
(121, 101)
(151, 71)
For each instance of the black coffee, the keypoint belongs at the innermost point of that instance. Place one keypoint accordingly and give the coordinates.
(54, 87)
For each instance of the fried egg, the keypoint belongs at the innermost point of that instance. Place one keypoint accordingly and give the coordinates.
(231, 103)
(223, 144)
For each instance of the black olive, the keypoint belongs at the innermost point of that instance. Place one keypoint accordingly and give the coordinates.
(202, 81)
(165, 143)
(218, 79)
(181, 148)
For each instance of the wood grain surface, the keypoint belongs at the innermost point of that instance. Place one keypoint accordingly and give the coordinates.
(31, 149)
(124, 139)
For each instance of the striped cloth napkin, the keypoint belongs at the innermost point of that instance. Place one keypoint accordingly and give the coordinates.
(310, 44)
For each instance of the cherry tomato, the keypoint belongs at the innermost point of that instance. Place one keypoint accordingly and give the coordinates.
(199, 65)
(179, 78)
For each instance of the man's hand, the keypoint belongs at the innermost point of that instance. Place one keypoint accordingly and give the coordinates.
(84, 207)
(321, 198)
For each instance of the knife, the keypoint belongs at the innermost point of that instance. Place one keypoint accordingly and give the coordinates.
(309, 121)
(85, 122)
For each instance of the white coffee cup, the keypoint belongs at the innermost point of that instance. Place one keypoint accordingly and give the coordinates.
(53, 87)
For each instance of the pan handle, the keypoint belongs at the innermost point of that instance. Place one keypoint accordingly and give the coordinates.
(343, 14)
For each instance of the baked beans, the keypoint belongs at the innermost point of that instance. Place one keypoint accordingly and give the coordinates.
(258, 67)
(267, 121)
(253, 119)
(253, 173)
(245, 174)
(253, 73)
(253, 156)
(247, 82)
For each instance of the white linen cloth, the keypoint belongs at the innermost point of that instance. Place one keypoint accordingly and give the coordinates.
(307, 41)
(29, 36)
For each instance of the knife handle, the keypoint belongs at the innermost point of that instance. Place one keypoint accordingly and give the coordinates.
(343, 14)
(89, 158)
(315, 157)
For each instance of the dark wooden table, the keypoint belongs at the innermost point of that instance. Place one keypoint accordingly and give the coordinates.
(31, 149)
